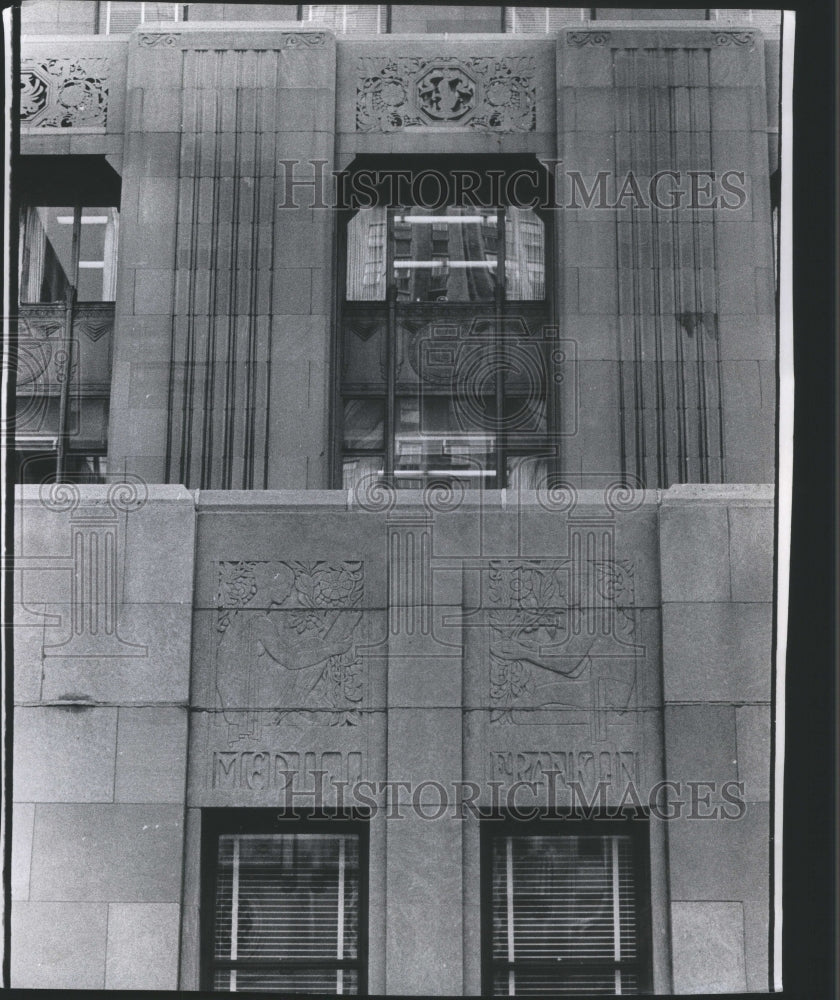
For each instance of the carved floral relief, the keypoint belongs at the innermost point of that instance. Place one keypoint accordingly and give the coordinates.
(483, 93)
(287, 642)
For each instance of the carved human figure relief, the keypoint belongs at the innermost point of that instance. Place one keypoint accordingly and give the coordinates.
(550, 653)
(294, 661)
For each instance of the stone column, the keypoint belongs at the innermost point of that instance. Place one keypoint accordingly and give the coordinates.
(424, 878)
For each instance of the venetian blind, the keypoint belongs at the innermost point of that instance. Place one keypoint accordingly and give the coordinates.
(121, 18)
(287, 913)
(541, 20)
(564, 916)
(350, 19)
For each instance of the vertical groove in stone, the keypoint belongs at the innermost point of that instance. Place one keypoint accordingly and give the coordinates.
(669, 391)
(221, 353)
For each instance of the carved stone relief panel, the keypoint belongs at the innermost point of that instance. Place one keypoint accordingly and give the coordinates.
(482, 93)
(287, 649)
(64, 92)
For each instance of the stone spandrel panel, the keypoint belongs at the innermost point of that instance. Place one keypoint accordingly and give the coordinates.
(70, 87)
(445, 95)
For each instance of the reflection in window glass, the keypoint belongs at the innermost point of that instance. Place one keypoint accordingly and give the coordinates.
(364, 424)
(49, 263)
(437, 438)
(524, 255)
(447, 256)
(366, 239)
(46, 260)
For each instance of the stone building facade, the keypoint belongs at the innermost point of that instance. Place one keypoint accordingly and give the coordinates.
(348, 529)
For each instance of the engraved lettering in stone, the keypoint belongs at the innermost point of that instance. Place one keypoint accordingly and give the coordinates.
(273, 770)
(614, 767)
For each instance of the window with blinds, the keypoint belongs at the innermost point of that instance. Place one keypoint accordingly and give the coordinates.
(348, 19)
(287, 913)
(565, 914)
(542, 20)
(119, 17)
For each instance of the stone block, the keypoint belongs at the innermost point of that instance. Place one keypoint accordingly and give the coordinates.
(694, 553)
(58, 946)
(119, 853)
(749, 446)
(753, 727)
(756, 946)
(291, 290)
(23, 822)
(597, 290)
(151, 755)
(140, 665)
(424, 907)
(751, 553)
(717, 652)
(161, 109)
(64, 754)
(152, 291)
(713, 859)
(424, 656)
(736, 289)
(700, 744)
(747, 337)
(142, 948)
(159, 549)
(708, 947)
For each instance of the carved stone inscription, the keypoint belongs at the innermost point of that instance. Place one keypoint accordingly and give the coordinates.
(286, 648)
(273, 770)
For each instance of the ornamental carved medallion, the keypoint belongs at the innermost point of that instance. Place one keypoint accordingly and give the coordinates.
(483, 93)
(64, 92)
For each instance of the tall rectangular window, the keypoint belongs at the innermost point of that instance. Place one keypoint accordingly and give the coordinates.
(288, 909)
(565, 909)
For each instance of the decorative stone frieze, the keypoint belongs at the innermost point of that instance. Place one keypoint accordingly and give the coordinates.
(483, 93)
(64, 92)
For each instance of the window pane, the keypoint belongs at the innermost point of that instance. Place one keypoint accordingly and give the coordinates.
(360, 470)
(437, 439)
(98, 254)
(364, 424)
(563, 899)
(46, 254)
(278, 896)
(122, 16)
(524, 255)
(445, 256)
(366, 238)
(288, 980)
(347, 18)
